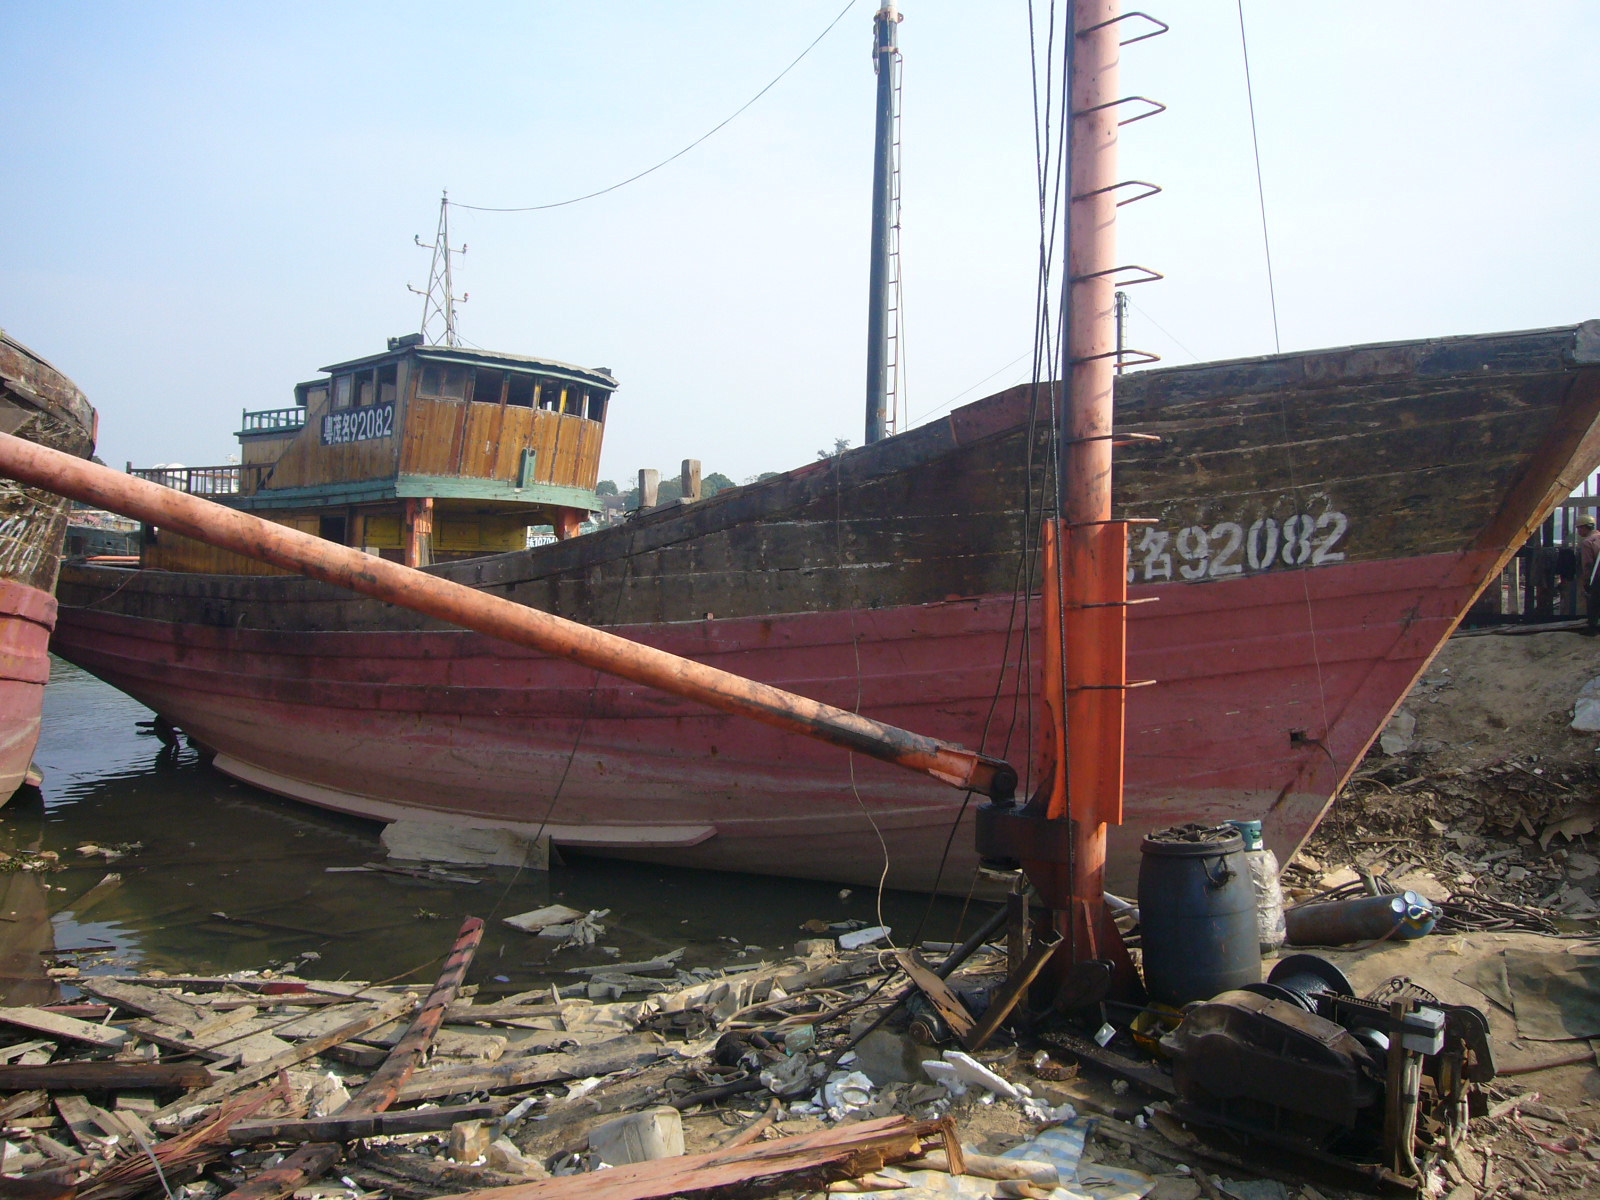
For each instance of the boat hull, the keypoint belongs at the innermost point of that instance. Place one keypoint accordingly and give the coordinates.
(1295, 592)
(42, 405)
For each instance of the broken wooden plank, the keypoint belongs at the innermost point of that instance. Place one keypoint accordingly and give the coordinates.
(381, 1090)
(27, 1102)
(619, 1054)
(460, 1014)
(76, 1114)
(857, 1149)
(103, 1076)
(146, 1001)
(64, 1027)
(340, 1128)
(381, 1015)
(169, 1038)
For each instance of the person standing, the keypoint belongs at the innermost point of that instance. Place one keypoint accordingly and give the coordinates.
(1589, 571)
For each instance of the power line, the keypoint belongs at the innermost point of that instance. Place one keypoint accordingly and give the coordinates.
(649, 170)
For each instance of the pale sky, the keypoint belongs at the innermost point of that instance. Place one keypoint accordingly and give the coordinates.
(205, 203)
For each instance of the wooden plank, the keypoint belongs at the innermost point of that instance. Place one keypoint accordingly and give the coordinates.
(27, 1102)
(344, 1129)
(619, 1054)
(169, 1038)
(64, 1027)
(146, 1001)
(103, 1076)
(381, 1015)
(856, 1148)
(79, 1120)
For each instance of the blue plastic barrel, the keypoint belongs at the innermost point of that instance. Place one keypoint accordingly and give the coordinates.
(1197, 914)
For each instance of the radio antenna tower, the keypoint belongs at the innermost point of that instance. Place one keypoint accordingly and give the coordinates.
(439, 301)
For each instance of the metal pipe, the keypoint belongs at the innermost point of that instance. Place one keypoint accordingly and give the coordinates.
(884, 53)
(1085, 589)
(497, 617)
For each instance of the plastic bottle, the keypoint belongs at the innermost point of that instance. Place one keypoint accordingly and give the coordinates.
(1269, 891)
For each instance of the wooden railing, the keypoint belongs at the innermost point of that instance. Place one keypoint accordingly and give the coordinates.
(197, 481)
(273, 420)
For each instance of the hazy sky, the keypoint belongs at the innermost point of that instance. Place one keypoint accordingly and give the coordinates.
(205, 203)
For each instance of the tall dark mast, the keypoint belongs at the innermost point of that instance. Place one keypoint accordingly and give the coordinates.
(884, 53)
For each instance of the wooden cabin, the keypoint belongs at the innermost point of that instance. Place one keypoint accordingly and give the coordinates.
(421, 454)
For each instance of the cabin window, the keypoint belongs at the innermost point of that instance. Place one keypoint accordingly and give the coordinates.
(341, 391)
(486, 385)
(549, 393)
(366, 388)
(388, 383)
(331, 529)
(597, 407)
(444, 381)
(520, 391)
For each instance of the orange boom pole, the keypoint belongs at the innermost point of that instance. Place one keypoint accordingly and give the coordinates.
(475, 610)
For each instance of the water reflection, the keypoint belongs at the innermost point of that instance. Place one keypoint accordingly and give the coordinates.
(217, 876)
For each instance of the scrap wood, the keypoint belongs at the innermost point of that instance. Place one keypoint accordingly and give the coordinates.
(103, 1075)
(169, 1038)
(146, 1001)
(342, 1128)
(755, 1129)
(64, 1027)
(27, 1102)
(858, 1149)
(136, 1168)
(382, 1089)
(458, 1014)
(381, 1015)
(619, 1054)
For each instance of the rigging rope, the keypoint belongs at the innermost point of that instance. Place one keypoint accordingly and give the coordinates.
(673, 158)
(1261, 191)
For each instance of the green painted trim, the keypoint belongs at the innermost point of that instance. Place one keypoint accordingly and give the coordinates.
(322, 495)
(449, 487)
(455, 487)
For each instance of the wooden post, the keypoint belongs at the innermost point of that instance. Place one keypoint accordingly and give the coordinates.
(690, 478)
(649, 487)
(419, 531)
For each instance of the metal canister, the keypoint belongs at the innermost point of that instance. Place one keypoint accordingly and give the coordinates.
(1366, 918)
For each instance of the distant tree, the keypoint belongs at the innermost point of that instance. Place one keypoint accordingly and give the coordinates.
(840, 445)
(606, 487)
(714, 483)
(760, 477)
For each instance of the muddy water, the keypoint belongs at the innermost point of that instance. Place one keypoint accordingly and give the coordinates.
(218, 876)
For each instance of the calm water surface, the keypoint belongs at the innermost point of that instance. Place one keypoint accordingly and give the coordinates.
(226, 877)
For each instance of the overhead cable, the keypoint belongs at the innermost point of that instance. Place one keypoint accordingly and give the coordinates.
(649, 170)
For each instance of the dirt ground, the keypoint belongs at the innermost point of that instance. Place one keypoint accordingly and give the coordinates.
(1484, 797)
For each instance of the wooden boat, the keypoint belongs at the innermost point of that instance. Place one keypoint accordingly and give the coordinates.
(1319, 522)
(38, 403)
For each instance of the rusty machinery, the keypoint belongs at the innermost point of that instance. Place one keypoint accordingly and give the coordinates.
(1380, 1083)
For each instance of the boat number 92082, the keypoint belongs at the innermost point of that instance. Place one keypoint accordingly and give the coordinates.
(358, 424)
(1231, 548)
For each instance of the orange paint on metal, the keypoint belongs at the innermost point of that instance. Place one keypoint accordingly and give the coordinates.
(497, 617)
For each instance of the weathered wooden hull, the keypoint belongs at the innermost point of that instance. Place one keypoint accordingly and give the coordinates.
(1321, 523)
(40, 404)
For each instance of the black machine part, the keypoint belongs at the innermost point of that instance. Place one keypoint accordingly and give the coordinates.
(1258, 1063)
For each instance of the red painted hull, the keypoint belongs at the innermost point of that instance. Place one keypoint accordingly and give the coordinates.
(405, 723)
(1322, 521)
(27, 616)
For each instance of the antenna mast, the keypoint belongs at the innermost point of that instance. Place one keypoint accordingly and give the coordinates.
(886, 57)
(439, 301)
